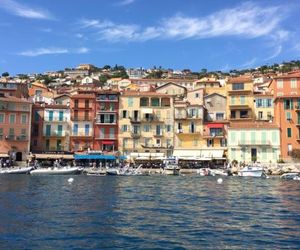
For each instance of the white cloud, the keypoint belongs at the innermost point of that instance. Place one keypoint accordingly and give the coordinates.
(52, 51)
(21, 10)
(247, 20)
(249, 63)
(276, 52)
(126, 2)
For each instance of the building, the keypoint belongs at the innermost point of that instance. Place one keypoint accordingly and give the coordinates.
(11, 88)
(286, 90)
(15, 122)
(263, 107)
(173, 89)
(106, 123)
(82, 108)
(37, 125)
(240, 99)
(56, 127)
(189, 114)
(146, 123)
(254, 141)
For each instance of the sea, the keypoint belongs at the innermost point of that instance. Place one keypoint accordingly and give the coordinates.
(148, 212)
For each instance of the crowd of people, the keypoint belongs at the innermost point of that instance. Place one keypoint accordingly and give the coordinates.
(6, 162)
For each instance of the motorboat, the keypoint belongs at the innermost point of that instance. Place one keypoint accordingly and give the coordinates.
(16, 170)
(203, 171)
(56, 171)
(252, 171)
(171, 167)
(113, 171)
(126, 171)
(291, 176)
(218, 172)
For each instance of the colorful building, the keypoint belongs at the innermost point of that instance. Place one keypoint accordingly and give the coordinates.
(286, 90)
(146, 123)
(56, 127)
(15, 122)
(37, 125)
(106, 123)
(254, 142)
(82, 121)
(240, 99)
(264, 107)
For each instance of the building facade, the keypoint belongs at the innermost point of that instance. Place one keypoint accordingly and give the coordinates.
(15, 122)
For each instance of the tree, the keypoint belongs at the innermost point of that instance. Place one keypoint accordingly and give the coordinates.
(296, 154)
(107, 67)
(5, 74)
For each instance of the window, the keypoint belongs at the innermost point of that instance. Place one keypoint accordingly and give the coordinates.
(144, 102)
(260, 115)
(210, 143)
(36, 116)
(289, 132)
(244, 114)
(38, 92)
(130, 102)
(216, 131)
(242, 99)
(47, 145)
(197, 95)
(35, 131)
(87, 129)
(158, 130)
(23, 118)
(288, 116)
(48, 130)
(86, 103)
(288, 104)
(124, 128)
(220, 116)
(102, 133)
(154, 102)
(50, 116)
(124, 114)
(35, 143)
(232, 100)
(223, 142)
(12, 118)
(111, 133)
(279, 83)
(75, 129)
(293, 83)
(61, 116)
(147, 128)
(258, 103)
(169, 128)
(192, 127)
(11, 132)
(269, 102)
(76, 103)
(147, 142)
(237, 86)
(1, 118)
(59, 130)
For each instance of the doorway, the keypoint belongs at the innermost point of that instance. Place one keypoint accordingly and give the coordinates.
(253, 154)
(19, 156)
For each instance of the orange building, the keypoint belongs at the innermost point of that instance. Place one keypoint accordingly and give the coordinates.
(82, 107)
(286, 90)
(37, 122)
(15, 122)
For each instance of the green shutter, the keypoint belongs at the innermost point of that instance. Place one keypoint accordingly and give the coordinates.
(264, 137)
(243, 137)
(253, 137)
(289, 132)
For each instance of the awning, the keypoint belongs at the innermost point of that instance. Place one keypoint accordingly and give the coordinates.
(4, 155)
(52, 156)
(149, 155)
(187, 153)
(108, 142)
(215, 125)
(199, 154)
(94, 157)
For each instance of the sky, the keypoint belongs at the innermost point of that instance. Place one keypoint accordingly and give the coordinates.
(46, 35)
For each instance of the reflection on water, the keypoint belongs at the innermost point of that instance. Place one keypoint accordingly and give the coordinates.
(148, 212)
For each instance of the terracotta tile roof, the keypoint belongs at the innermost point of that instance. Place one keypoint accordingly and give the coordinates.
(251, 125)
(83, 96)
(289, 75)
(240, 79)
(143, 93)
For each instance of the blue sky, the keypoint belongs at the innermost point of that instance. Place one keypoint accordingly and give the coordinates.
(218, 35)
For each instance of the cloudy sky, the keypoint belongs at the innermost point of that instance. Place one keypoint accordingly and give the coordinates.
(218, 35)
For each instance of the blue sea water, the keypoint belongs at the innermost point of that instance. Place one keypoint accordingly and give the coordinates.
(151, 212)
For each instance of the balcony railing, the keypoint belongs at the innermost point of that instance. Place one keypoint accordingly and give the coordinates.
(82, 134)
(135, 119)
(56, 134)
(81, 118)
(107, 99)
(106, 136)
(135, 134)
(106, 122)
(57, 119)
(16, 138)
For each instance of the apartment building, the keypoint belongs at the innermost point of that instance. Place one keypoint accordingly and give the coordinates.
(240, 99)
(286, 90)
(82, 108)
(15, 122)
(146, 123)
(56, 127)
(106, 123)
(264, 107)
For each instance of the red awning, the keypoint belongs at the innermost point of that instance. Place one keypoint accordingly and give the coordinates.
(215, 125)
(108, 142)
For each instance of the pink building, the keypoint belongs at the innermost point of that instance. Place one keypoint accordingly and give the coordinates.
(15, 122)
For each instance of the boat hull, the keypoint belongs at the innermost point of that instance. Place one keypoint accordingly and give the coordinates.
(251, 173)
(173, 171)
(16, 171)
(56, 171)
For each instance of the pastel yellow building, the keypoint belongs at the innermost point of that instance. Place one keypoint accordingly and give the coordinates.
(145, 123)
(264, 107)
(240, 99)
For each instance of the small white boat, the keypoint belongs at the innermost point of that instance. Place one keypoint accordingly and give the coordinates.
(56, 171)
(113, 171)
(171, 167)
(20, 170)
(252, 171)
(218, 172)
(291, 176)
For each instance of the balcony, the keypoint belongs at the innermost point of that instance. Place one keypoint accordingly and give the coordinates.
(82, 107)
(180, 116)
(57, 134)
(190, 116)
(107, 98)
(297, 108)
(214, 135)
(106, 137)
(135, 119)
(82, 118)
(152, 119)
(240, 92)
(106, 110)
(239, 106)
(82, 134)
(135, 134)
(158, 134)
(254, 143)
(105, 122)
(16, 138)
(57, 119)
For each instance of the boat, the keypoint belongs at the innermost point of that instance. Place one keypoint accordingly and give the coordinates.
(56, 171)
(113, 171)
(291, 176)
(171, 167)
(96, 174)
(126, 171)
(218, 172)
(19, 170)
(252, 171)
